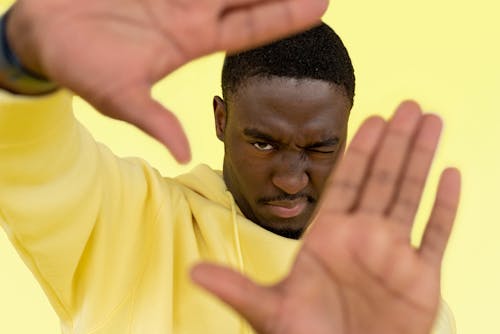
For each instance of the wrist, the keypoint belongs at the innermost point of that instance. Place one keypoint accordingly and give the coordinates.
(15, 77)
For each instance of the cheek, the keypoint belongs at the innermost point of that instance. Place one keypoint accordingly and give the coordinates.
(251, 170)
(320, 171)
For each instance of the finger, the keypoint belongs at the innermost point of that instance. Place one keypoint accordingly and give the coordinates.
(417, 169)
(443, 214)
(390, 158)
(259, 22)
(257, 304)
(136, 106)
(343, 186)
(239, 3)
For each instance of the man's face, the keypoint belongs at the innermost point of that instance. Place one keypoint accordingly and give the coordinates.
(281, 139)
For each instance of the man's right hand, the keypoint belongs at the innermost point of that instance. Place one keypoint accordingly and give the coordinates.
(111, 52)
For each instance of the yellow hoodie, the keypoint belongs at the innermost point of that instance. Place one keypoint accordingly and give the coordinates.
(111, 241)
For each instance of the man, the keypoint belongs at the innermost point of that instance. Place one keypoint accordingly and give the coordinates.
(112, 242)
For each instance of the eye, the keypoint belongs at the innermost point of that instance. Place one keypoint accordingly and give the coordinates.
(263, 146)
(324, 151)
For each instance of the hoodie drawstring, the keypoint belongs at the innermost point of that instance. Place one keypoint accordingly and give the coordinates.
(236, 233)
(245, 328)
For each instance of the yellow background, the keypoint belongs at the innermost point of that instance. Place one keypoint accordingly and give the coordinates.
(444, 54)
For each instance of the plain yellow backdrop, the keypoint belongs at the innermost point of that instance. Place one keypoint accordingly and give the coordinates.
(444, 54)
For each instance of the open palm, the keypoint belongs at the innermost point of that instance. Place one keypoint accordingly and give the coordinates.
(357, 271)
(111, 52)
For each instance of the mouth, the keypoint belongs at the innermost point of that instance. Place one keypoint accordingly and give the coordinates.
(287, 209)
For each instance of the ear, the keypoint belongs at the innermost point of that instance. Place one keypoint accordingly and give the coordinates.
(220, 116)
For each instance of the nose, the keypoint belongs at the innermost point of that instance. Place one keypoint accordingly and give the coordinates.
(290, 174)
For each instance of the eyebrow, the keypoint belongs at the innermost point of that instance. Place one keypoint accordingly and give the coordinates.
(257, 134)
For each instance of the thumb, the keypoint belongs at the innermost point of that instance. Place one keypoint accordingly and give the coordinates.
(137, 107)
(256, 303)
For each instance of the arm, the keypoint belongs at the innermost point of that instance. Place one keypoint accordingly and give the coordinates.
(69, 205)
(56, 185)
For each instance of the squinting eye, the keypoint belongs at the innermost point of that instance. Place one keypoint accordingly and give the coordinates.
(324, 151)
(263, 146)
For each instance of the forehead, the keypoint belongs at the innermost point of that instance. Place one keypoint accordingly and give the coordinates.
(286, 105)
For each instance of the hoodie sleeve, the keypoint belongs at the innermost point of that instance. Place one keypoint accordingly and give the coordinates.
(77, 215)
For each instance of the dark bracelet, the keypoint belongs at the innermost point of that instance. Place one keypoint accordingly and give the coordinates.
(13, 76)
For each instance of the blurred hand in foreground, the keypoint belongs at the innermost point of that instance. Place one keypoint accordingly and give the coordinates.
(111, 52)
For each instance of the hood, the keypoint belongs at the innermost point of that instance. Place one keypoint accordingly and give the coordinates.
(208, 183)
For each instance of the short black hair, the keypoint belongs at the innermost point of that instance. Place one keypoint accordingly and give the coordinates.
(317, 53)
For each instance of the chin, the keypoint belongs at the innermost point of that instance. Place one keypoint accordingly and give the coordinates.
(290, 234)
(287, 229)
